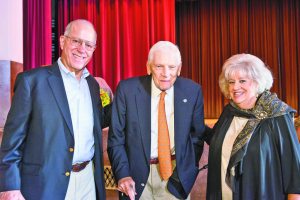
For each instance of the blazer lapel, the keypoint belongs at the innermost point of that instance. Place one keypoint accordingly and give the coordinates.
(143, 104)
(95, 100)
(58, 89)
(180, 103)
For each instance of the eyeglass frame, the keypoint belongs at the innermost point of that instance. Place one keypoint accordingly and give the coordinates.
(76, 42)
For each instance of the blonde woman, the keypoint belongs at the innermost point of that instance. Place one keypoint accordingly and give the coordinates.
(254, 153)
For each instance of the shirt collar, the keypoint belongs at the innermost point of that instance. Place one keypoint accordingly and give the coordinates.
(85, 72)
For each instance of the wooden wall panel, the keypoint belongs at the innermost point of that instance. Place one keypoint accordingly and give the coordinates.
(16, 68)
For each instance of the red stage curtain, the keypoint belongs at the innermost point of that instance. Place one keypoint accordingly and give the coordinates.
(37, 33)
(209, 32)
(126, 30)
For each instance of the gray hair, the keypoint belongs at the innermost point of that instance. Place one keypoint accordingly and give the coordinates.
(70, 24)
(164, 46)
(253, 67)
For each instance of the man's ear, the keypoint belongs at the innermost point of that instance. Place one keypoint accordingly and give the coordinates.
(61, 42)
(179, 70)
(148, 69)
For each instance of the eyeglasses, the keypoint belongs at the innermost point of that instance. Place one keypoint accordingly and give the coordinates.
(76, 42)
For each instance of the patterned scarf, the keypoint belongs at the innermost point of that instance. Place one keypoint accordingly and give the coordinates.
(267, 106)
(297, 122)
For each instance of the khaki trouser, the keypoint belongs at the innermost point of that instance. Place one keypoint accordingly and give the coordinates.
(156, 188)
(82, 184)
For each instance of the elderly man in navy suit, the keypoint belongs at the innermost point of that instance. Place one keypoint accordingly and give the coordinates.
(52, 142)
(141, 106)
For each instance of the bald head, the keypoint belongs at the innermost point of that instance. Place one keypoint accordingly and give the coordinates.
(80, 23)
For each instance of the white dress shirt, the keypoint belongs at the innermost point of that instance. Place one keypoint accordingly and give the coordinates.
(169, 107)
(81, 110)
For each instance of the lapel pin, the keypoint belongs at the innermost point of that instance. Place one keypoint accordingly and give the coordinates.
(184, 100)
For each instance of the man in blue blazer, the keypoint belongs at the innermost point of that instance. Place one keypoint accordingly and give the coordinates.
(52, 137)
(133, 138)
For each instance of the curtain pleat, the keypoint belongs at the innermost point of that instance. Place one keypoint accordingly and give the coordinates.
(37, 33)
(209, 32)
(126, 31)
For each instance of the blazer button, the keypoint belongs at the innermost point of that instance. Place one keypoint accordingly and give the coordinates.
(67, 173)
(71, 149)
(142, 184)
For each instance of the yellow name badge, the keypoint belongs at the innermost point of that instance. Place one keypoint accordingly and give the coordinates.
(104, 97)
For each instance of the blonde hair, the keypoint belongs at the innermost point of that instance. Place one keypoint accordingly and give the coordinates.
(250, 65)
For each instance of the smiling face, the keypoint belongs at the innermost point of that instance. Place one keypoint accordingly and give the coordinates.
(76, 58)
(242, 90)
(164, 69)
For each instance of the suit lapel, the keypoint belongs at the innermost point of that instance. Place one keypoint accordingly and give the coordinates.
(180, 103)
(143, 103)
(95, 100)
(58, 90)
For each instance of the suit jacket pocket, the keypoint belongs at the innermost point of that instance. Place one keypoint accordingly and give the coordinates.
(30, 169)
(175, 187)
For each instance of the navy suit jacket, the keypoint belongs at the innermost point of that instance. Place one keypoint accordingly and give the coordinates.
(38, 133)
(129, 140)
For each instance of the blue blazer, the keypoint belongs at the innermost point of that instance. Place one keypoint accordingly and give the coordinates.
(35, 155)
(129, 140)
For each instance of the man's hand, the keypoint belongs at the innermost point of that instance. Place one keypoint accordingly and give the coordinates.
(11, 195)
(127, 186)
